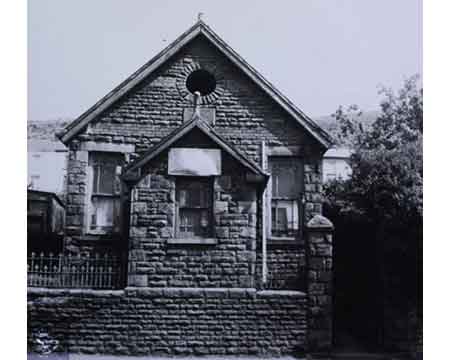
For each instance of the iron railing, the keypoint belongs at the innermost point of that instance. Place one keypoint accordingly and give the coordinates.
(75, 271)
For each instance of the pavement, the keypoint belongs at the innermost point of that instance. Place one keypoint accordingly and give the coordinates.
(121, 357)
(341, 356)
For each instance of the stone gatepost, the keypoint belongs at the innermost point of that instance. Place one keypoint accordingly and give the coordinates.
(320, 280)
(137, 237)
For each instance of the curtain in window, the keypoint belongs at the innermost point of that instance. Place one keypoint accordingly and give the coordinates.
(194, 208)
(286, 177)
(104, 210)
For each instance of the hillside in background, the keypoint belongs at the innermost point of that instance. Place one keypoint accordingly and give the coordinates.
(46, 130)
(329, 123)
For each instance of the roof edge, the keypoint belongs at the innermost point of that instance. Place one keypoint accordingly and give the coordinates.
(178, 133)
(199, 27)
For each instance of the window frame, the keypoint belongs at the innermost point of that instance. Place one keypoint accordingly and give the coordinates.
(180, 237)
(93, 193)
(275, 239)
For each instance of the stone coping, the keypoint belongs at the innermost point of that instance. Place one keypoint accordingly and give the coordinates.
(170, 292)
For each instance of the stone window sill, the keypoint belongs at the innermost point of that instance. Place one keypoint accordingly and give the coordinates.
(193, 241)
(99, 236)
(283, 241)
(102, 233)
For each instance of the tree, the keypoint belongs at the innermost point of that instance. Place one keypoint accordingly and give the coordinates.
(387, 170)
(385, 188)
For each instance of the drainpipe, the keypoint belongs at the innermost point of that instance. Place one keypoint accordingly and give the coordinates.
(263, 222)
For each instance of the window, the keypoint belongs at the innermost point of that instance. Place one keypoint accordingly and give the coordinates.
(330, 169)
(194, 207)
(286, 178)
(104, 205)
(201, 81)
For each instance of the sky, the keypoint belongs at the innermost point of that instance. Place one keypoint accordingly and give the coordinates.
(319, 53)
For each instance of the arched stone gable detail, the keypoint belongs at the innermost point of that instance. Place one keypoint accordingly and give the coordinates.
(189, 68)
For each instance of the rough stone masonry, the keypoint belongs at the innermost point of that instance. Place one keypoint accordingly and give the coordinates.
(170, 321)
(181, 297)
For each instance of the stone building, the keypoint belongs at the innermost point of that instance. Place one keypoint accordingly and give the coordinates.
(46, 166)
(207, 180)
(336, 164)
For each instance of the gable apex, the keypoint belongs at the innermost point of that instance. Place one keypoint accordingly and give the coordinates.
(199, 28)
(195, 123)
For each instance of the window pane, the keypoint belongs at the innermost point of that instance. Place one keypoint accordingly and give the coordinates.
(279, 219)
(284, 217)
(286, 177)
(107, 179)
(95, 178)
(194, 223)
(105, 212)
(104, 177)
(195, 194)
(194, 204)
(288, 184)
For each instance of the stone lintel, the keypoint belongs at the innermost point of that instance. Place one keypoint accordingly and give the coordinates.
(106, 147)
(284, 151)
(199, 241)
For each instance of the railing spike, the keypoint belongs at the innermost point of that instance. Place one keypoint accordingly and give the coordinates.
(57, 270)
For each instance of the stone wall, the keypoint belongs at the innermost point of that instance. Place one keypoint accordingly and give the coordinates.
(76, 192)
(286, 266)
(170, 321)
(245, 116)
(158, 258)
(320, 284)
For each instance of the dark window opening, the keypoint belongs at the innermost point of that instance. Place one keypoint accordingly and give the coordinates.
(194, 205)
(201, 81)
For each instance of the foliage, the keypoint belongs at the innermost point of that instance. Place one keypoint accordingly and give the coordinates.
(384, 193)
(387, 173)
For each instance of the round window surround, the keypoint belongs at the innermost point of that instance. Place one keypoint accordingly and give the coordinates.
(202, 78)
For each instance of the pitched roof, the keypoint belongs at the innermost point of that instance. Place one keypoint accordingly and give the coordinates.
(200, 28)
(31, 192)
(195, 123)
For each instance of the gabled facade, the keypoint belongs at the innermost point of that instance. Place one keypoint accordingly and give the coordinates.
(198, 170)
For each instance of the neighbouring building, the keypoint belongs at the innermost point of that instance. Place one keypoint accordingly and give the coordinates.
(207, 182)
(45, 222)
(47, 166)
(336, 164)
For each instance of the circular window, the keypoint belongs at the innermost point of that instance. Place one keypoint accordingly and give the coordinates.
(201, 81)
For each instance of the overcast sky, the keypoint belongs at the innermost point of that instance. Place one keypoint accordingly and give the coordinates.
(320, 53)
